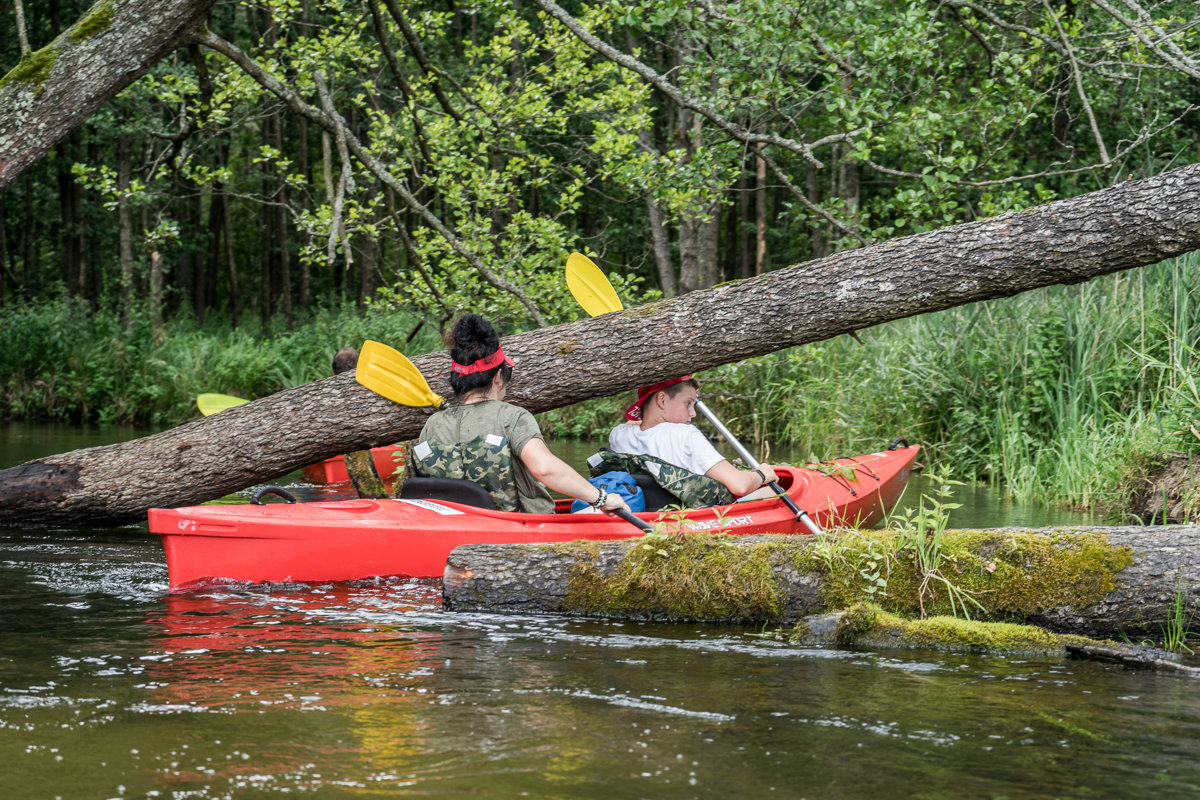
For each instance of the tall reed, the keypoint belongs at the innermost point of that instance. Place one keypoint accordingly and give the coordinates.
(1054, 394)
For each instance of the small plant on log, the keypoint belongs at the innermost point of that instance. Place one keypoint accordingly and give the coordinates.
(1178, 627)
(920, 536)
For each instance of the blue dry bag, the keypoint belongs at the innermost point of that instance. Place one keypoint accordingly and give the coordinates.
(621, 483)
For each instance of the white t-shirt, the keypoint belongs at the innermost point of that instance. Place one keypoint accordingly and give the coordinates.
(682, 445)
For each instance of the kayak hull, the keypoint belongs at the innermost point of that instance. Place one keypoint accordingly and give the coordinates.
(333, 470)
(356, 539)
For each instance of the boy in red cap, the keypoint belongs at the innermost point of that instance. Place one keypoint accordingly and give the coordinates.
(663, 413)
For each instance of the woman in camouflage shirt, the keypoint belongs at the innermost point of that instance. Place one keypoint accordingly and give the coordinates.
(496, 444)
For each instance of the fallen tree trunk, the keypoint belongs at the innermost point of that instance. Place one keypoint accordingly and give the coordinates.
(1103, 582)
(54, 90)
(1126, 226)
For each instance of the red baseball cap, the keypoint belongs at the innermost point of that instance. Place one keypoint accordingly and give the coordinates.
(634, 412)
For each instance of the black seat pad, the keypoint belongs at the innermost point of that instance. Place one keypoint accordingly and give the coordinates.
(454, 490)
(656, 497)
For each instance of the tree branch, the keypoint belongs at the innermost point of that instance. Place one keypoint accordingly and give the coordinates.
(1078, 79)
(335, 124)
(1181, 62)
(735, 130)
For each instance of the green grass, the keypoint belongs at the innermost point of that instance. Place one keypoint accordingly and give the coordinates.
(60, 361)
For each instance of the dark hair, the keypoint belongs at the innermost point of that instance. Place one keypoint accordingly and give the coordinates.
(471, 339)
(676, 388)
(345, 360)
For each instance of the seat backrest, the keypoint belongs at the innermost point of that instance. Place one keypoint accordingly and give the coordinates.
(656, 496)
(455, 490)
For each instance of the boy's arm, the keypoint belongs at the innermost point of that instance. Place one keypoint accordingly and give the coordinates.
(740, 481)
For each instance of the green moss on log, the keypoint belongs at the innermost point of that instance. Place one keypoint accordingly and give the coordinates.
(718, 577)
(96, 21)
(953, 633)
(682, 576)
(34, 68)
(1012, 575)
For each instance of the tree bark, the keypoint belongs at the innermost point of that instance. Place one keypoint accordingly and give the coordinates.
(1136, 600)
(53, 90)
(1122, 227)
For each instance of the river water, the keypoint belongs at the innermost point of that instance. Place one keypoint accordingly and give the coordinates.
(113, 687)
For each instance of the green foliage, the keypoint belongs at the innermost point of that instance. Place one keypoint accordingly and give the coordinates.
(61, 361)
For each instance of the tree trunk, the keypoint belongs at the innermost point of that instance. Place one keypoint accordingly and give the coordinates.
(156, 295)
(53, 90)
(125, 230)
(212, 255)
(661, 243)
(285, 258)
(235, 297)
(818, 225)
(760, 215)
(710, 249)
(302, 157)
(662, 249)
(1125, 226)
(29, 236)
(1097, 582)
(67, 222)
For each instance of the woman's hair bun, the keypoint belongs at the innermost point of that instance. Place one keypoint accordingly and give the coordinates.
(473, 333)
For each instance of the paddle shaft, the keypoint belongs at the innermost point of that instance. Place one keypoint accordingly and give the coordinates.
(800, 513)
(628, 516)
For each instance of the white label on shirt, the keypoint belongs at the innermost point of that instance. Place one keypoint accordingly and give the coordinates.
(494, 440)
(654, 468)
(422, 451)
(594, 460)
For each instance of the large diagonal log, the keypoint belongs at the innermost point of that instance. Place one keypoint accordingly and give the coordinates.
(54, 90)
(1126, 226)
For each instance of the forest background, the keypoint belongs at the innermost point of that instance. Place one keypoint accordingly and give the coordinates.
(200, 235)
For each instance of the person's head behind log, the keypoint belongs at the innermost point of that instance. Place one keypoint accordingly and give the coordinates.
(345, 360)
(476, 357)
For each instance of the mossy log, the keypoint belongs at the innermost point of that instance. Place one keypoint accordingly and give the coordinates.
(867, 626)
(1097, 581)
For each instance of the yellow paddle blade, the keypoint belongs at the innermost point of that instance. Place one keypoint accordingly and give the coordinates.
(210, 403)
(389, 373)
(590, 286)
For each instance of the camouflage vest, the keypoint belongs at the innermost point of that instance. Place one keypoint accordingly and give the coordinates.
(486, 460)
(692, 490)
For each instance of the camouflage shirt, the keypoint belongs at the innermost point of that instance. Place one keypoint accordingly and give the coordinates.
(465, 442)
(692, 490)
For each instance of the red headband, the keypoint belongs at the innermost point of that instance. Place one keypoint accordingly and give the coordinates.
(634, 412)
(483, 364)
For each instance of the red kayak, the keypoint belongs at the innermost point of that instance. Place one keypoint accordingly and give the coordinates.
(413, 535)
(333, 470)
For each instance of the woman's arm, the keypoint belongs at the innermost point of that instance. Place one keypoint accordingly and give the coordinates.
(559, 476)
